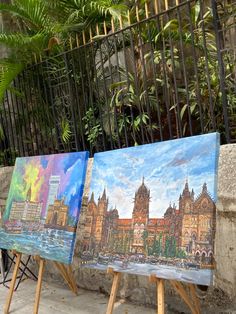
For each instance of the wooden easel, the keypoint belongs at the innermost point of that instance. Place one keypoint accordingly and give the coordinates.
(189, 297)
(66, 272)
(2, 266)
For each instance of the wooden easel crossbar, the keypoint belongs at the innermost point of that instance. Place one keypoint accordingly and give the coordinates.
(24, 271)
(65, 270)
(187, 292)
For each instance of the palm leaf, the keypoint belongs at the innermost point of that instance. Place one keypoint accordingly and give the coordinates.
(32, 12)
(66, 131)
(18, 40)
(8, 72)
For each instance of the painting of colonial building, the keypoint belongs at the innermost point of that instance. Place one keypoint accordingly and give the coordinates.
(192, 225)
(151, 209)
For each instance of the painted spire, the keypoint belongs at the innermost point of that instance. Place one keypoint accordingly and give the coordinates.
(104, 195)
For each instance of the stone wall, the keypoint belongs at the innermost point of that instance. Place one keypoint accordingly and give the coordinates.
(225, 247)
(137, 288)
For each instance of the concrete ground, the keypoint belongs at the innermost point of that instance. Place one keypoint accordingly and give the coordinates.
(58, 299)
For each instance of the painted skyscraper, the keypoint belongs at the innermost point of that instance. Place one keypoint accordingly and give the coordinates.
(54, 183)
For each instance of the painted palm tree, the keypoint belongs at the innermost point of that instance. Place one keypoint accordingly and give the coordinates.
(44, 25)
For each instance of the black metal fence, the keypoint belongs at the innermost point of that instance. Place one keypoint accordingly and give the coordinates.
(168, 76)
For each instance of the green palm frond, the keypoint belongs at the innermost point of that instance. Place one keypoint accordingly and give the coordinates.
(32, 12)
(66, 131)
(107, 7)
(19, 40)
(8, 72)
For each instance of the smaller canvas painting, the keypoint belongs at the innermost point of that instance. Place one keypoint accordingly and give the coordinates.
(151, 210)
(43, 205)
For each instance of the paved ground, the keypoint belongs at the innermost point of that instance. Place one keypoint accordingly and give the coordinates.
(56, 298)
(60, 300)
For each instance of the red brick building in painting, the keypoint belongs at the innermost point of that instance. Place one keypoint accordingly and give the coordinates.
(191, 225)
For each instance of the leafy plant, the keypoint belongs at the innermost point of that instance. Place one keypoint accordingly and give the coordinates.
(92, 127)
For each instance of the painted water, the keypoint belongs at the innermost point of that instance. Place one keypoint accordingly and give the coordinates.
(50, 244)
(201, 276)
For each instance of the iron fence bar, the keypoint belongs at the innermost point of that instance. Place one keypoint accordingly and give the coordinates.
(165, 87)
(72, 102)
(207, 68)
(12, 138)
(112, 82)
(6, 128)
(106, 96)
(31, 116)
(19, 126)
(41, 101)
(83, 89)
(176, 92)
(51, 99)
(217, 28)
(3, 142)
(155, 83)
(45, 94)
(22, 117)
(95, 65)
(90, 96)
(128, 84)
(146, 97)
(195, 66)
(17, 147)
(37, 117)
(76, 94)
(26, 114)
(137, 88)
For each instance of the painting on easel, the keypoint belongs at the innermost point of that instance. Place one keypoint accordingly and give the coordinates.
(151, 210)
(43, 205)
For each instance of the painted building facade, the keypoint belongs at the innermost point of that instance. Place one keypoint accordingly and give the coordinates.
(190, 227)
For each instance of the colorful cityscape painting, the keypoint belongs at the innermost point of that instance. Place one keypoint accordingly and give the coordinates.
(151, 210)
(43, 205)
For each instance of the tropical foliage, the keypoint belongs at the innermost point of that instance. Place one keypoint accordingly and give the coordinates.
(43, 26)
(154, 80)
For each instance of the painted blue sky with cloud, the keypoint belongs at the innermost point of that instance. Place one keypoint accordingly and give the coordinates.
(165, 167)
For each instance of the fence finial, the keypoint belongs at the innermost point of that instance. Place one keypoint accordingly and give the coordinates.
(121, 22)
(84, 38)
(146, 10)
(112, 25)
(77, 40)
(137, 11)
(90, 34)
(70, 41)
(97, 30)
(105, 28)
(166, 5)
(156, 7)
(129, 19)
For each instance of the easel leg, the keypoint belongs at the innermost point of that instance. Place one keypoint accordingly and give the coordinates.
(68, 276)
(160, 284)
(13, 281)
(72, 279)
(114, 289)
(2, 266)
(193, 293)
(39, 285)
(160, 296)
(181, 291)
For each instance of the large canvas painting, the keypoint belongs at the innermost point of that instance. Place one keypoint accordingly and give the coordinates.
(43, 205)
(152, 209)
